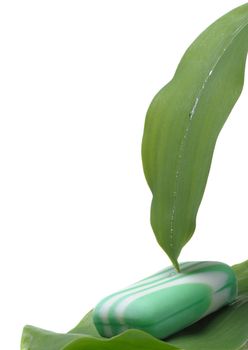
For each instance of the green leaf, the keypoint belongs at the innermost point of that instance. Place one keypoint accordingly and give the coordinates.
(39, 339)
(226, 329)
(241, 271)
(183, 123)
(86, 326)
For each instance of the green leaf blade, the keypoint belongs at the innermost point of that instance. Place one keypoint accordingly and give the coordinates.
(183, 123)
(39, 339)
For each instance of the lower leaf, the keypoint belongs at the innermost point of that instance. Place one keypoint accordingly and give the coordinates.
(39, 339)
(226, 329)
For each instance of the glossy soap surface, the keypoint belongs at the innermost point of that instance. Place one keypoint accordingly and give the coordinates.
(167, 301)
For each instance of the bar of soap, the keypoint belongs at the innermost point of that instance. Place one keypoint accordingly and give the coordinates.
(167, 301)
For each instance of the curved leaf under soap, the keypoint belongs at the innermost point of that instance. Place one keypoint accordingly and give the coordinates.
(183, 123)
(225, 329)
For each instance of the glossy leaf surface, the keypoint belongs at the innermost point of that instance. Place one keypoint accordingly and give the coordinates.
(183, 123)
(226, 329)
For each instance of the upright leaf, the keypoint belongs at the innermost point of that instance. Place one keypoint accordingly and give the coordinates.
(183, 123)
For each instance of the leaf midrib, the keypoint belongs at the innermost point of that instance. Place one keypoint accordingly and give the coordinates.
(188, 127)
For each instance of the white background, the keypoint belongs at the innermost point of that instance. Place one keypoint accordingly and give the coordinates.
(76, 79)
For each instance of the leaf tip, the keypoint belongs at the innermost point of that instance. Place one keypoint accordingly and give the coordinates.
(175, 263)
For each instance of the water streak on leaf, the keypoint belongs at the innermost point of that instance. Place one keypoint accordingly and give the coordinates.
(183, 123)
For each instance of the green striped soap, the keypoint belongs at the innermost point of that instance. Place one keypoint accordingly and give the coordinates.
(167, 301)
